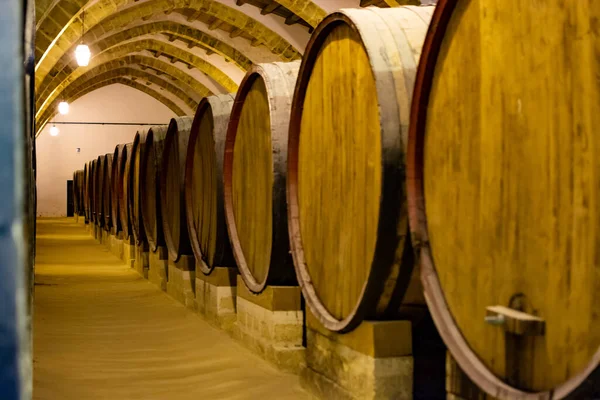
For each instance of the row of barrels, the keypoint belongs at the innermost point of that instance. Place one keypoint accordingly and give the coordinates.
(403, 167)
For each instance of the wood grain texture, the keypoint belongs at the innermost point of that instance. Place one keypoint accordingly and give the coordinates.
(172, 178)
(126, 192)
(255, 167)
(135, 212)
(93, 184)
(107, 194)
(99, 193)
(86, 190)
(504, 189)
(151, 163)
(346, 199)
(204, 183)
(118, 165)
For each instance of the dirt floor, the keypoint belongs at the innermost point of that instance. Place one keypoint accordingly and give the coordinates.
(103, 332)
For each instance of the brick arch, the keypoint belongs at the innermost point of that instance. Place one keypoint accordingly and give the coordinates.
(137, 46)
(114, 70)
(124, 81)
(116, 11)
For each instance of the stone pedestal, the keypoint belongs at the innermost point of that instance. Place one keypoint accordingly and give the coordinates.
(141, 264)
(97, 233)
(89, 228)
(271, 324)
(374, 361)
(180, 283)
(129, 252)
(216, 296)
(116, 244)
(159, 267)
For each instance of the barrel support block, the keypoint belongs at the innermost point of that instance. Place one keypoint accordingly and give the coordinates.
(180, 284)
(373, 361)
(129, 252)
(159, 267)
(114, 243)
(216, 296)
(141, 264)
(271, 324)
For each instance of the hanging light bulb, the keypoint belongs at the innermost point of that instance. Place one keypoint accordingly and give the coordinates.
(63, 107)
(82, 52)
(54, 131)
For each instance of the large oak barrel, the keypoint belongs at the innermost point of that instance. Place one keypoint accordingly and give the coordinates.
(150, 167)
(135, 206)
(94, 188)
(86, 190)
(76, 192)
(255, 169)
(117, 168)
(125, 193)
(100, 170)
(172, 178)
(204, 183)
(504, 192)
(108, 187)
(81, 188)
(347, 215)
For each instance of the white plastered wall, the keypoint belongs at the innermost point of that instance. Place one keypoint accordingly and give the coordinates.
(57, 157)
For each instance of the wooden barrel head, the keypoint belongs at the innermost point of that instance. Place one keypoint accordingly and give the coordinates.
(125, 193)
(117, 186)
(135, 212)
(172, 203)
(149, 180)
(108, 187)
(99, 194)
(255, 169)
(504, 191)
(93, 183)
(346, 202)
(204, 183)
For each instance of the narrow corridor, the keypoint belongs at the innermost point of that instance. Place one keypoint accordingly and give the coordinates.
(103, 332)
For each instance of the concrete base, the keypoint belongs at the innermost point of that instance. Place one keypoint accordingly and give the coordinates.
(372, 362)
(180, 283)
(129, 252)
(116, 244)
(271, 324)
(216, 296)
(141, 263)
(159, 267)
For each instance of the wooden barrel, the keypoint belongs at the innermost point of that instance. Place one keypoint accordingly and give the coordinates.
(81, 192)
(347, 215)
(101, 160)
(125, 193)
(117, 168)
(86, 191)
(172, 174)
(94, 187)
(135, 206)
(107, 193)
(505, 196)
(76, 192)
(150, 166)
(204, 183)
(255, 169)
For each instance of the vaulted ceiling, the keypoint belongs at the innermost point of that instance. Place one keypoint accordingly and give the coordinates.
(176, 51)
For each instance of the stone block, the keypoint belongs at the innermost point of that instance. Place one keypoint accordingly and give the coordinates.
(180, 282)
(141, 263)
(271, 324)
(216, 296)
(372, 362)
(159, 267)
(129, 252)
(116, 244)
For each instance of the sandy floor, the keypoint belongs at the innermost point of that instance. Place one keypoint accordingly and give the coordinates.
(103, 332)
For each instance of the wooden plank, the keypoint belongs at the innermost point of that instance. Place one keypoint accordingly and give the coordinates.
(269, 8)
